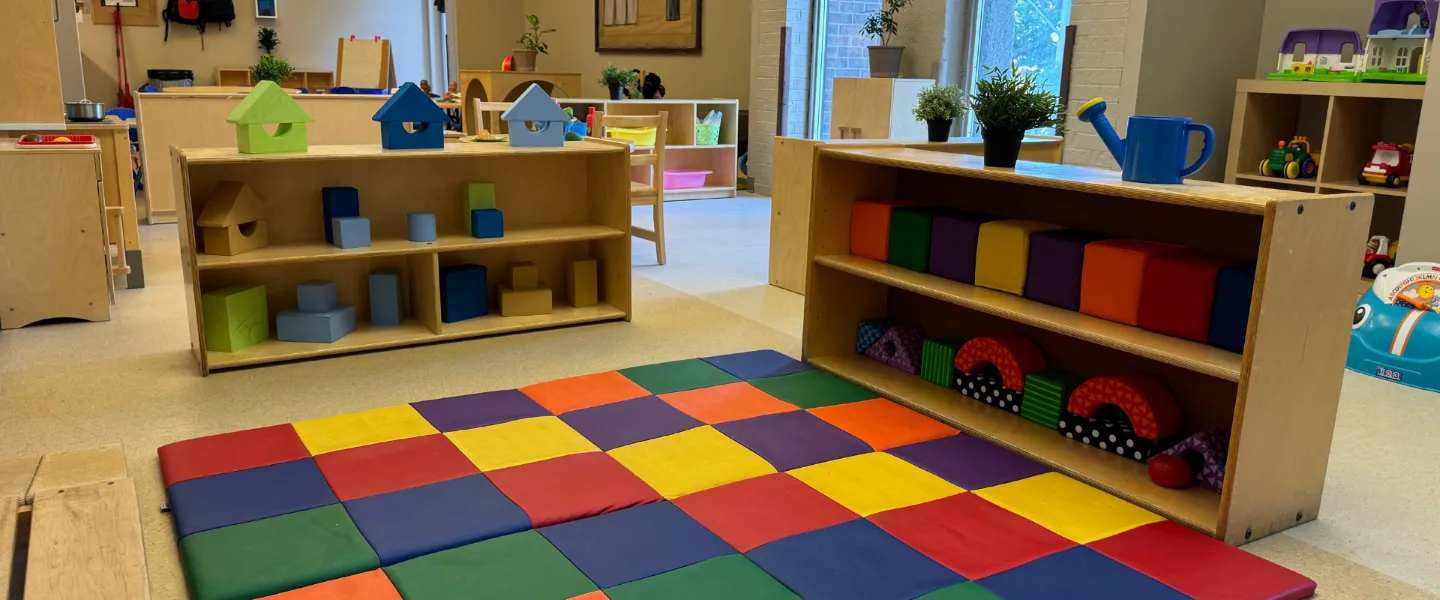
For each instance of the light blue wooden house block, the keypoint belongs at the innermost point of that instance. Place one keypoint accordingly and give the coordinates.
(537, 108)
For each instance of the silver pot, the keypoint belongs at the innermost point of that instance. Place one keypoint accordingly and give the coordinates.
(84, 110)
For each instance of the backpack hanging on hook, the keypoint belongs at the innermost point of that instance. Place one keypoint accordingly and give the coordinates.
(199, 13)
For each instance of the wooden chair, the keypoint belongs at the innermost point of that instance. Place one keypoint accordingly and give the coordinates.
(651, 192)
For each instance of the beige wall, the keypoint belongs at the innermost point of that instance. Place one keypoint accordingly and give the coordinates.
(1283, 15)
(488, 30)
(308, 33)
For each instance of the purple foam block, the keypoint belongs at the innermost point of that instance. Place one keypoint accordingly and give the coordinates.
(952, 246)
(1057, 259)
(479, 410)
(969, 462)
(900, 347)
(1212, 446)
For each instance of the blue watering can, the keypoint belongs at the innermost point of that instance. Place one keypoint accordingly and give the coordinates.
(1157, 147)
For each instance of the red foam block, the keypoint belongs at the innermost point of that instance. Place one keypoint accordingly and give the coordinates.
(230, 452)
(393, 466)
(1202, 567)
(1177, 294)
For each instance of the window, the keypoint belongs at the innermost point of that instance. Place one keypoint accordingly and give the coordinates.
(839, 51)
(1298, 54)
(1402, 58)
(1027, 33)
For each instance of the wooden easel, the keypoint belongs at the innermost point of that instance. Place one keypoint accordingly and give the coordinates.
(370, 64)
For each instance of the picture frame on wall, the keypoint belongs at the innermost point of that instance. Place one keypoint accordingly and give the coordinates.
(648, 26)
(267, 9)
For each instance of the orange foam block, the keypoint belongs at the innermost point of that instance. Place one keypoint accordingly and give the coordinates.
(870, 227)
(1113, 277)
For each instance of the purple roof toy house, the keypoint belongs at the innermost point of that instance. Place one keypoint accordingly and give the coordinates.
(1334, 49)
(1399, 44)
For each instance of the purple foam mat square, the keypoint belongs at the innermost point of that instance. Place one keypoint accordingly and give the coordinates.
(969, 462)
(1057, 259)
(952, 246)
(758, 364)
(623, 423)
(479, 410)
(794, 439)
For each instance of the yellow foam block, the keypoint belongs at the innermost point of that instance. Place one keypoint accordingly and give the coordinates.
(1068, 507)
(519, 442)
(362, 428)
(691, 461)
(1002, 254)
(875, 482)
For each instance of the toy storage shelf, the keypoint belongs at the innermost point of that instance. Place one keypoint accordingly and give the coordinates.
(1279, 397)
(559, 204)
(681, 151)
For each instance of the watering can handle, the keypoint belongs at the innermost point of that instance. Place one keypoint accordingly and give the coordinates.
(1205, 151)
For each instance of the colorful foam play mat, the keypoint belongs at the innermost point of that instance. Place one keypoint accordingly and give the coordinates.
(741, 476)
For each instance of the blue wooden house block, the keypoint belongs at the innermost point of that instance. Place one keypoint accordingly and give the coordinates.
(535, 107)
(351, 232)
(421, 227)
(315, 327)
(338, 202)
(464, 292)
(487, 223)
(385, 302)
(413, 106)
(316, 296)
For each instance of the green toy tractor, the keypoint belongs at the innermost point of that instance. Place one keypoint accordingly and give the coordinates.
(1293, 160)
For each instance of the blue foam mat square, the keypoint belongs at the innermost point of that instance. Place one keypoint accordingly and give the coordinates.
(852, 560)
(249, 495)
(410, 523)
(635, 543)
(1076, 574)
(758, 364)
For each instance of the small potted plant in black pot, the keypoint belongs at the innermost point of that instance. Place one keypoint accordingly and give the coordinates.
(938, 107)
(1007, 103)
(881, 25)
(616, 80)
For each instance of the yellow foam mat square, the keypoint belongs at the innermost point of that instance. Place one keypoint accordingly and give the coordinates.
(691, 461)
(1068, 507)
(519, 442)
(875, 482)
(362, 428)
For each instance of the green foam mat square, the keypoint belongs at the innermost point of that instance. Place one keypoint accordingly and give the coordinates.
(723, 578)
(275, 555)
(519, 565)
(813, 389)
(937, 361)
(964, 591)
(678, 376)
(910, 238)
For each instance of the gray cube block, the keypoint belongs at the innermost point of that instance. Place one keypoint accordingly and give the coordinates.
(422, 226)
(385, 300)
(351, 232)
(316, 296)
(318, 328)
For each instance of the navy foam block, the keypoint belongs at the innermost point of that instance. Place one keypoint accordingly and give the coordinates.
(410, 523)
(250, 495)
(854, 560)
(338, 202)
(385, 297)
(464, 292)
(1230, 315)
(757, 364)
(1076, 574)
(487, 223)
(635, 543)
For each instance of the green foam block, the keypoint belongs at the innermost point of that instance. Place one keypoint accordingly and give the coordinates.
(678, 376)
(236, 318)
(723, 578)
(478, 196)
(937, 361)
(813, 389)
(275, 555)
(910, 238)
(1046, 394)
(519, 565)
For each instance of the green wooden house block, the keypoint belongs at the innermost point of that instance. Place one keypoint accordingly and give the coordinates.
(937, 361)
(910, 238)
(269, 104)
(236, 318)
(478, 196)
(1046, 395)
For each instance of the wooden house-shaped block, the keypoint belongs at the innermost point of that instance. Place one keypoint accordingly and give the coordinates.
(414, 106)
(538, 109)
(269, 104)
(233, 220)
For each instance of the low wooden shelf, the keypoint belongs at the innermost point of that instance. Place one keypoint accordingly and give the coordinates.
(1279, 397)
(560, 204)
(681, 151)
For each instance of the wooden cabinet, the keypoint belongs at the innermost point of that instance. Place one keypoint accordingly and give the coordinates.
(30, 77)
(876, 109)
(315, 81)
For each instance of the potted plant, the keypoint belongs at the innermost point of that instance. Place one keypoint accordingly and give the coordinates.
(268, 39)
(271, 68)
(616, 79)
(939, 106)
(1007, 103)
(533, 47)
(884, 59)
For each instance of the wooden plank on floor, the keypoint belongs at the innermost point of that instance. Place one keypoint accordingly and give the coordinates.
(15, 475)
(85, 543)
(9, 516)
(74, 468)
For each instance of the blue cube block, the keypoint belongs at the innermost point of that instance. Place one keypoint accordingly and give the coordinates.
(464, 292)
(338, 202)
(316, 296)
(421, 226)
(1230, 314)
(385, 297)
(351, 232)
(487, 223)
(315, 327)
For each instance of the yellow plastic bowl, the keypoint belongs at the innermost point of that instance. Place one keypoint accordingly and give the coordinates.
(640, 136)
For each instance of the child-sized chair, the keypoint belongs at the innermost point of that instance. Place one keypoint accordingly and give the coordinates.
(651, 192)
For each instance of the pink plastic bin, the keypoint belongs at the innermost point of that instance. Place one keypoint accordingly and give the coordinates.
(685, 180)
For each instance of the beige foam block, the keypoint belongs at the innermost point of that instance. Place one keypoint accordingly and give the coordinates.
(60, 470)
(524, 276)
(524, 303)
(583, 283)
(15, 476)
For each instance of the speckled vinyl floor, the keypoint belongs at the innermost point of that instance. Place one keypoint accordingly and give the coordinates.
(132, 380)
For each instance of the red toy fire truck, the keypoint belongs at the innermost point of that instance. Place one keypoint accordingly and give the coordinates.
(1389, 166)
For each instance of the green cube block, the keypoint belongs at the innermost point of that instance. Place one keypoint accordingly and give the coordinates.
(910, 238)
(813, 389)
(722, 578)
(678, 376)
(478, 196)
(519, 565)
(236, 318)
(275, 555)
(1046, 395)
(937, 361)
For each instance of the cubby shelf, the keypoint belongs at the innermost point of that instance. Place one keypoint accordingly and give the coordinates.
(1379, 190)
(1171, 350)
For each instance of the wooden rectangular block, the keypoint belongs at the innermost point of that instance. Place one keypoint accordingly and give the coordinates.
(524, 276)
(86, 543)
(386, 305)
(317, 327)
(525, 303)
(316, 296)
(464, 292)
(236, 239)
(351, 232)
(486, 223)
(1114, 273)
(1003, 253)
(478, 196)
(583, 283)
(72, 468)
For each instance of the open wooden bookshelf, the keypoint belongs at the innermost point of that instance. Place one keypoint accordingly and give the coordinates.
(681, 151)
(1279, 397)
(559, 204)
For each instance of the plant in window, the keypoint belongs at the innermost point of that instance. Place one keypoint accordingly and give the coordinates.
(1007, 103)
(881, 24)
(938, 107)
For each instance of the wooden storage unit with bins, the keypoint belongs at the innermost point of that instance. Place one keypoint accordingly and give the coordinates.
(315, 81)
(1341, 120)
(559, 205)
(682, 153)
(1279, 397)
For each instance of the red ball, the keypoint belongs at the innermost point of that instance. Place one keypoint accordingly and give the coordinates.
(1170, 471)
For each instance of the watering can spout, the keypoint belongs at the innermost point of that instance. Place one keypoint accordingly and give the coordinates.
(1093, 112)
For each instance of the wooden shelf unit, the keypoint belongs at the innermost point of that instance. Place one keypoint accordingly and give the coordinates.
(1342, 121)
(1279, 397)
(560, 204)
(681, 152)
(315, 81)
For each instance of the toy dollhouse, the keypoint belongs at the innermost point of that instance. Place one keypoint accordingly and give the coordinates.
(1398, 50)
(1319, 55)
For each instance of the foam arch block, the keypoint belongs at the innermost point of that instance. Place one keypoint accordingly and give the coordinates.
(1012, 356)
(900, 348)
(1177, 294)
(1113, 276)
(1151, 415)
(1002, 253)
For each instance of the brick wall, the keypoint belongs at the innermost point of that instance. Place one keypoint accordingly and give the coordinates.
(769, 17)
(1097, 70)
